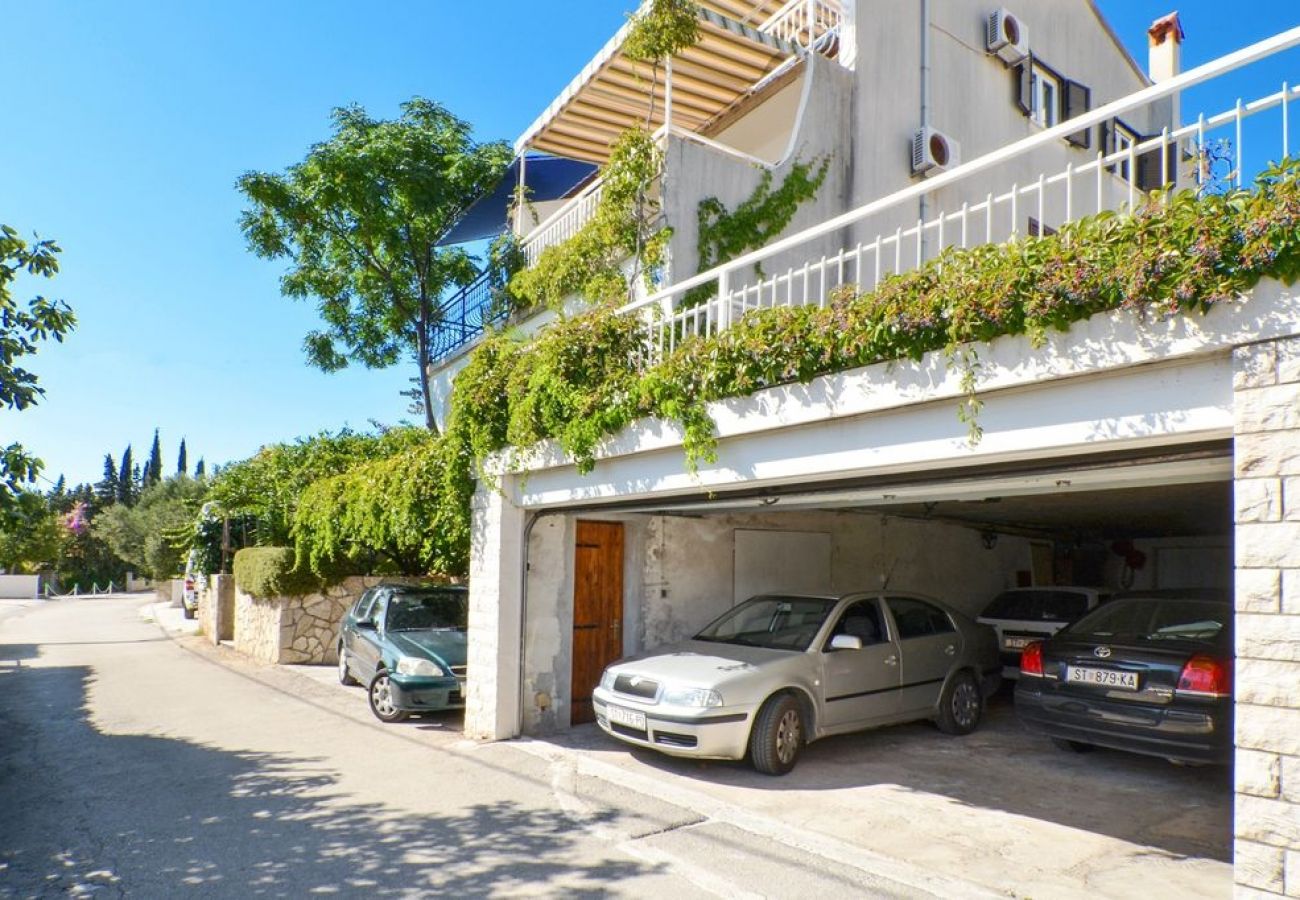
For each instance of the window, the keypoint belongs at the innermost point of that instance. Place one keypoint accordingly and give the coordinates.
(1124, 139)
(860, 620)
(1045, 96)
(361, 611)
(916, 618)
(775, 622)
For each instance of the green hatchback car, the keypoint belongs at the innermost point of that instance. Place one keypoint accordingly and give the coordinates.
(406, 643)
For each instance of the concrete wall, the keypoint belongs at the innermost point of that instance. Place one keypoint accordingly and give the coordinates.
(20, 587)
(1267, 819)
(693, 172)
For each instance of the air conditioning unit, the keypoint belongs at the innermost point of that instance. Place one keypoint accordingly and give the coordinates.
(1007, 37)
(933, 151)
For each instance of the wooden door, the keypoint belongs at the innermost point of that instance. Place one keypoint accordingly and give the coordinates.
(597, 609)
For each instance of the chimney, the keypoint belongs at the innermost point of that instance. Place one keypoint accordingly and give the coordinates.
(1164, 56)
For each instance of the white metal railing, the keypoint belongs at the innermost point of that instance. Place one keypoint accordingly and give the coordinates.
(564, 223)
(805, 22)
(810, 264)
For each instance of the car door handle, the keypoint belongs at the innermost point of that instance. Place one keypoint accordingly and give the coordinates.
(891, 660)
(950, 649)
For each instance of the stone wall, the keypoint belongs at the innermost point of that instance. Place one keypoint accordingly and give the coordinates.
(1267, 457)
(297, 630)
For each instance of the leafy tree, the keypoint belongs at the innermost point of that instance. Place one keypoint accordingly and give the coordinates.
(359, 220)
(22, 329)
(128, 476)
(149, 534)
(153, 468)
(267, 486)
(30, 539)
(181, 466)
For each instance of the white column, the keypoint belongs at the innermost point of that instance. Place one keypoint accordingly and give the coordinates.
(495, 621)
(520, 192)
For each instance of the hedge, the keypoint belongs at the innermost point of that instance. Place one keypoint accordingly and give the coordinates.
(271, 572)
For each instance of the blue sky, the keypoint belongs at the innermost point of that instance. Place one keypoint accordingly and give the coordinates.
(127, 124)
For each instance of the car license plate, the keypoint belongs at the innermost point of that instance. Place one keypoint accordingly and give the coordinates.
(1125, 681)
(1017, 643)
(629, 717)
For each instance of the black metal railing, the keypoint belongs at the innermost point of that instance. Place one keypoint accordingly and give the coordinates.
(464, 315)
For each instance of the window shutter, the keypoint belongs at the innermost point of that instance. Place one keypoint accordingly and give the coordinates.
(1024, 85)
(1149, 172)
(1076, 99)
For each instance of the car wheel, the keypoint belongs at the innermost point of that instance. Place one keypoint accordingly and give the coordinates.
(381, 699)
(345, 677)
(778, 736)
(961, 706)
(1073, 746)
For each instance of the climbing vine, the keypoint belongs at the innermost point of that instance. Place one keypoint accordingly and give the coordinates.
(666, 28)
(723, 235)
(625, 225)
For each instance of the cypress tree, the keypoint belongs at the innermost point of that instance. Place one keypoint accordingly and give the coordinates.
(182, 467)
(126, 475)
(106, 490)
(153, 469)
(199, 469)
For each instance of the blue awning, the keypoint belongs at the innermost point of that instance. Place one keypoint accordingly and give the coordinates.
(546, 177)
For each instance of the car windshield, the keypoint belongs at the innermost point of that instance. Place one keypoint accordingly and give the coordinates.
(1038, 606)
(778, 623)
(1155, 620)
(444, 610)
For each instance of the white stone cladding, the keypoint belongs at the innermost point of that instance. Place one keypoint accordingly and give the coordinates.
(1266, 381)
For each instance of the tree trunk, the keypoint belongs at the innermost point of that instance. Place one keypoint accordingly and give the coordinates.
(422, 360)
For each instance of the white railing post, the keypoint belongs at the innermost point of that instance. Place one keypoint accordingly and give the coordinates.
(724, 300)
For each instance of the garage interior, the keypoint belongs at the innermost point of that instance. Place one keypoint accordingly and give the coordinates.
(1145, 521)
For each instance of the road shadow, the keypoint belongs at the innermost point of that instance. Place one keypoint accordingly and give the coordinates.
(1184, 812)
(84, 811)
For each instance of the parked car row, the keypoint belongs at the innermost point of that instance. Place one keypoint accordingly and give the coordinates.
(406, 644)
(1149, 673)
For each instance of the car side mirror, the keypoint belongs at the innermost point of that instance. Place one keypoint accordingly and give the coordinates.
(846, 642)
(366, 624)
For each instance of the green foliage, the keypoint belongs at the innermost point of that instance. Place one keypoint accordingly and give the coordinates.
(1179, 255)
(624, 226)
(667, 27)
(359, 220)
(376, 517)
(267, 486)
(23, 328)
(152, 534)
(267, 572)
(31, 539)
(754, 223)
(153, 468)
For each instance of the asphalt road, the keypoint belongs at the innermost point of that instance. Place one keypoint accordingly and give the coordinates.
(136, 763)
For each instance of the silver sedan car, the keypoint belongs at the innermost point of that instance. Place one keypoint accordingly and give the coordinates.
(778, 671)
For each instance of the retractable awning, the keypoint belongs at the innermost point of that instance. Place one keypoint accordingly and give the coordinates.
(548, 178)
(613, 93)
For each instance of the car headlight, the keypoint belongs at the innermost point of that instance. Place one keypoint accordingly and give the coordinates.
(698, 697)
(413, 665)
(607, 679)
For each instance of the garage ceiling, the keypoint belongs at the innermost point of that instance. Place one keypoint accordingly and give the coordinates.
(1176, 510)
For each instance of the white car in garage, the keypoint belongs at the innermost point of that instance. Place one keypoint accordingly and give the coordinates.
(782, 670)
(1021, 616)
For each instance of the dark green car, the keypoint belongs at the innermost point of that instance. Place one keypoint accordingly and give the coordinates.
(407, 644)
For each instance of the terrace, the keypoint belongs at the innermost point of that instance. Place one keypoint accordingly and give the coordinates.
(746, 52)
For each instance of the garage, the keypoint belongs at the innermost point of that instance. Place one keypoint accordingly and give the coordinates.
(1134, 521)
